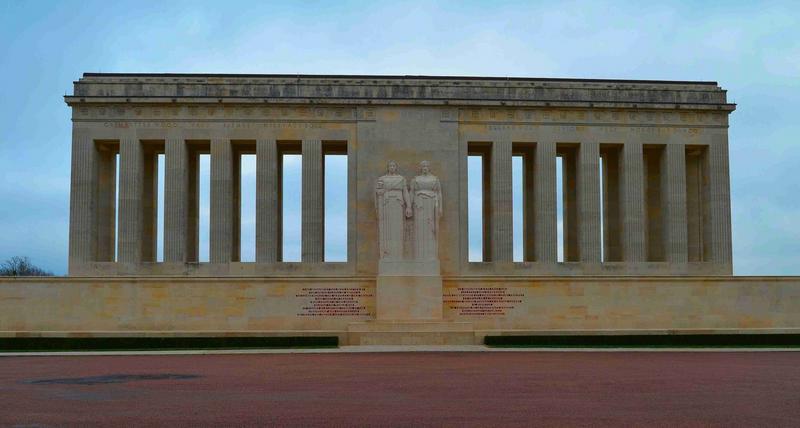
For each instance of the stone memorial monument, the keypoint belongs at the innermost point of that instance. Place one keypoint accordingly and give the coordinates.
(409, 288)
(645, 197)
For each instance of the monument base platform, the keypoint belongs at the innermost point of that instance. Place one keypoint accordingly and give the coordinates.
(345, 307)
(411, 333)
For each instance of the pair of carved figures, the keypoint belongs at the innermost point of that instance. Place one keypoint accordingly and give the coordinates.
(395, 204)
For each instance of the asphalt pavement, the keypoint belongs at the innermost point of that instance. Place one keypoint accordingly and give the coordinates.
(404, 389)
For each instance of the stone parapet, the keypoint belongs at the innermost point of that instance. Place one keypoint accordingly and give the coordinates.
(300, 306)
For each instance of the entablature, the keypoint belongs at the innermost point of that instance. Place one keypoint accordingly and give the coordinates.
(507, 115)
(97, 88)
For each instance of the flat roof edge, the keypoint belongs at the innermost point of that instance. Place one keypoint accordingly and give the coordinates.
(403, 77)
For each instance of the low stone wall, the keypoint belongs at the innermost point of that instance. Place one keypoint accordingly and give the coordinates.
(306, 306)
(509, 304)
(183, 305)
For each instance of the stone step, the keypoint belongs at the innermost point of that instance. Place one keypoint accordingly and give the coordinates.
(411, 333)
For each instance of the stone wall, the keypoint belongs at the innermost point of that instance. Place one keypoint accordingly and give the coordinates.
(624, 303)
(172, 305)
(307, 306)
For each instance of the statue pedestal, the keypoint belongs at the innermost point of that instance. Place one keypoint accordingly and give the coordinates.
(408, 291)
(408, 309)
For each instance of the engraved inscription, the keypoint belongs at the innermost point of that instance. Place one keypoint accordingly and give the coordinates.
(334, 301)
(478, 301)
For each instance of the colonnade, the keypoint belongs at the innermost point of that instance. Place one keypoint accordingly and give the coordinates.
(656, 203)
(652, 203)
(92, 230)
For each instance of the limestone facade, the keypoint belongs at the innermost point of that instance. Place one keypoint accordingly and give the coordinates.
(661, 207)
(184, 306)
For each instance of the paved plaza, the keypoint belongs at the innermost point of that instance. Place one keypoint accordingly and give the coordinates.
(405, 389)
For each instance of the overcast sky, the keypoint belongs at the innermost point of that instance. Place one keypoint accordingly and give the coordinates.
(752, 49)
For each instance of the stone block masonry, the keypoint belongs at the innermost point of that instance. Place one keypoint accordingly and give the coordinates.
(664, 216)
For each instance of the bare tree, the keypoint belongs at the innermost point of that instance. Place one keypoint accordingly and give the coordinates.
(21, 266)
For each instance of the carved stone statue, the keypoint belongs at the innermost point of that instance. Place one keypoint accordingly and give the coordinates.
(426, 198)
(392, 205)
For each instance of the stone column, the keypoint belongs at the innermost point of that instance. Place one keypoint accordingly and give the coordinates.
(674, 203)
(267, 194)
(633, 224)
(589, 202)
(696, 204)
(313, 202)
(570, 201)
(224, 201)
(131, 185)
(149, 238)
(502, 208)
(176, 201)
(193, 213)
(105, 203)
(719, 202)
(612, 224)
(486, 208)
(82, 218)
(546, 229)
(528, 153)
